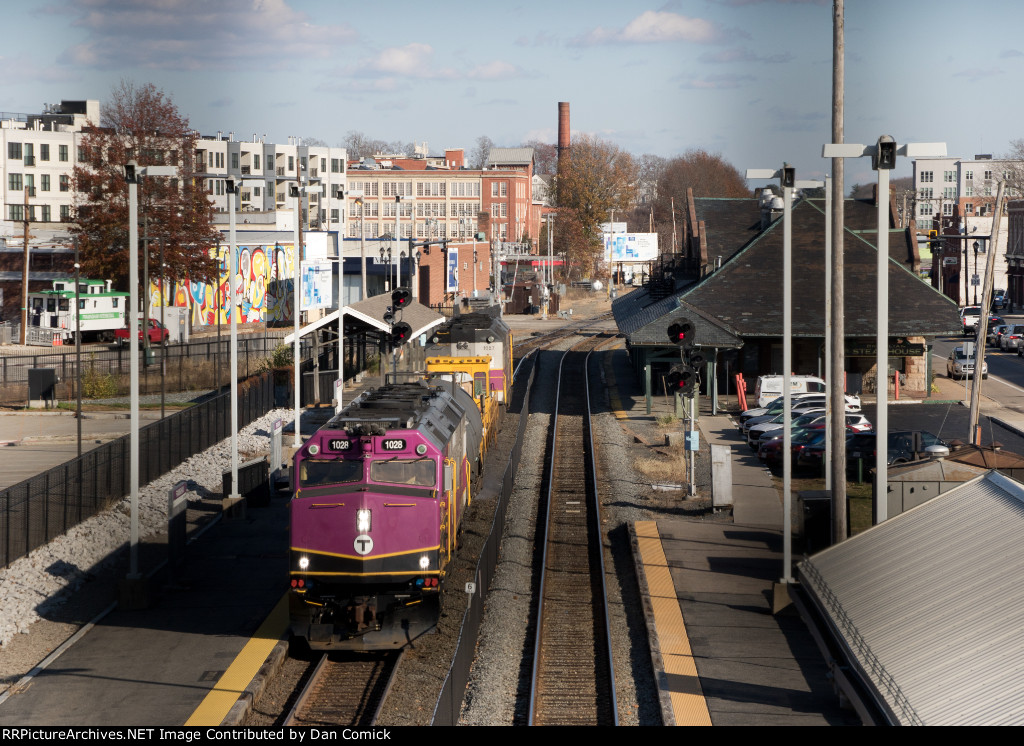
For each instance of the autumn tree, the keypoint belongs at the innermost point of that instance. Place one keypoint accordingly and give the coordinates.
(141, 123)
(708, 174)
(597, 180)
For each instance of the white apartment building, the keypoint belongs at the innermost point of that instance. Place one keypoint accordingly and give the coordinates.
(966, 189)
(279, 168)
(39, 152)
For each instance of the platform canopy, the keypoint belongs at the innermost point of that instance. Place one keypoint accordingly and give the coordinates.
(368, 315)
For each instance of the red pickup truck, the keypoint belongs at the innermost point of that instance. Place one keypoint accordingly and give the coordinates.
(158, 334)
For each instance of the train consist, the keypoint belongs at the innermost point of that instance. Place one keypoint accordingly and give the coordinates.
(381, 489)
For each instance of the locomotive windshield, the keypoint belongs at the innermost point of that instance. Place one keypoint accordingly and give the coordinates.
(420, 472)
(313, 473)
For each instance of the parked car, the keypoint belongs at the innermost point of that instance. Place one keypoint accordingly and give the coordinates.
(904, 445)
(771, 451)
(800, 419)
(158, 333)
(775, 406)
(969, 317)
(855, 423)
(1011, 338)
(999, 300)
(959, 365)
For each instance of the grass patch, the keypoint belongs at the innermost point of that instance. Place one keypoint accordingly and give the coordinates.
(858, 498)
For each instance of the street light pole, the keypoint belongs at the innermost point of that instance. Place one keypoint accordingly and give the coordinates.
(132, 173)
(787, 178)
(883, 155)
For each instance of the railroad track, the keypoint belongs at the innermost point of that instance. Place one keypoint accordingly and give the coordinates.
(348, 689)
(573, 680)
(526, 345)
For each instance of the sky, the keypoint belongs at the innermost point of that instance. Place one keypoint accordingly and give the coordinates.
(748, 79)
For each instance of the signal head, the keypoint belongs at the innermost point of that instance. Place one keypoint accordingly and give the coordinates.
(681, 379)
(401, 298)
(681, 333)
(401, 333)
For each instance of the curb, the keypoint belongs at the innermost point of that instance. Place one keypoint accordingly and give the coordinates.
(1006, 425)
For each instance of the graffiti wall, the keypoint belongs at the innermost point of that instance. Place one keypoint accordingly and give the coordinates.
(265, 278)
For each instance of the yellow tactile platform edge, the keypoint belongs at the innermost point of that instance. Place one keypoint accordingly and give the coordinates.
(214, 708)
(689, 706)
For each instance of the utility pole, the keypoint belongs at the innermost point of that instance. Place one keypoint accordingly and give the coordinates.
(986, 302)
(24, 276)
(837, 377)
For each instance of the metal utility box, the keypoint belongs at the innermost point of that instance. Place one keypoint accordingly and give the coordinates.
(253, 482)
(42, 384)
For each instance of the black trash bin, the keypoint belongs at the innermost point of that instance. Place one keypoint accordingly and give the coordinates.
(816, 513)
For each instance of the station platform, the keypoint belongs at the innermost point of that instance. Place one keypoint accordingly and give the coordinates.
(720, 654)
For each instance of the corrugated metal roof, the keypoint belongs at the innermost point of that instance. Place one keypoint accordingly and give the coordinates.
(509, 156)
(931, 605)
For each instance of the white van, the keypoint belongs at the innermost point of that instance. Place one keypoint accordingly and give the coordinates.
(770, 387)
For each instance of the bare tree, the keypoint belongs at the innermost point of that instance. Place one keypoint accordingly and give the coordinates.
(478, 159)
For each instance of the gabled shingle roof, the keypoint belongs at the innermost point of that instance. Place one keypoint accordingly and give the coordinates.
(746, 292)
(645, 322)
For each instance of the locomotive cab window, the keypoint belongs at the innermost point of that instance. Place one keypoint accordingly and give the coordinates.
(419, 472)
(313, 473)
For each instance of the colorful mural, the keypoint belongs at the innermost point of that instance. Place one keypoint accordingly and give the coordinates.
(265, 278)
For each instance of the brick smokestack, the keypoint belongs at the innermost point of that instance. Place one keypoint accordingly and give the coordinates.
(563, 130)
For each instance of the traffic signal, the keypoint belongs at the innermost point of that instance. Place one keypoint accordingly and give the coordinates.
(681, 332)
(885, 155)
(681, 379)
(788, 176)
(400, 333)
(401, 298)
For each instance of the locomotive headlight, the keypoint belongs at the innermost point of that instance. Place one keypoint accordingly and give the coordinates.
(303, 563)
(421, 449)
(424, 562)
(314, 449)
(363, 520)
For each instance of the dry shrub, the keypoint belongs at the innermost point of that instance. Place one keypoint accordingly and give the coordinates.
(661, 469)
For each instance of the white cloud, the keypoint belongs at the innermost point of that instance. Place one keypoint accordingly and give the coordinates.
(416, 60)
(654, 26)
(196, 34)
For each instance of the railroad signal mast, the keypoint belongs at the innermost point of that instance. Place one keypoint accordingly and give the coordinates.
(682, 380)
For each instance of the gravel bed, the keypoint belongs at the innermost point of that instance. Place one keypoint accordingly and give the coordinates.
(498, 690)
(48, 594)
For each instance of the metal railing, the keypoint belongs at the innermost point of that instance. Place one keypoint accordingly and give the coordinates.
(41, 508)
(182, 365)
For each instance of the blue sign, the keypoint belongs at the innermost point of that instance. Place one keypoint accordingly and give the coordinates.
(453, 270)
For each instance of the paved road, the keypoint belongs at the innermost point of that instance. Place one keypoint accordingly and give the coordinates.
(32, 442)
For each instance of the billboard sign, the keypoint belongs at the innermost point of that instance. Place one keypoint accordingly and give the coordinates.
(317, 285)
(630, 247)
